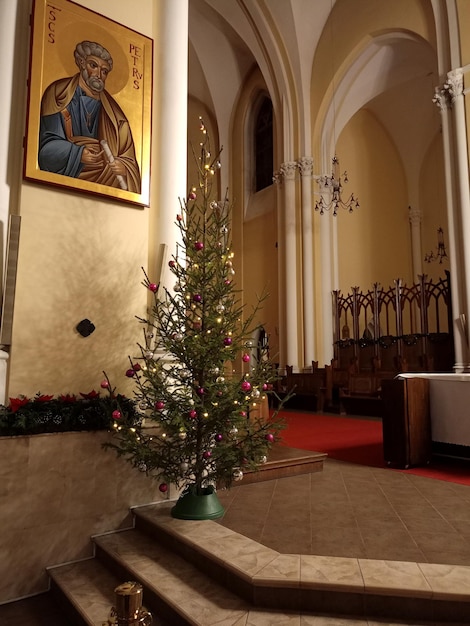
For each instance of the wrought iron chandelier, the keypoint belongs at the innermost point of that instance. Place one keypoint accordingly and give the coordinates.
(441, 252)
(334, 185)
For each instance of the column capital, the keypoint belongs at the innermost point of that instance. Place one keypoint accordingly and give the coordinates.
(454, 84)
(440, 99)
(277, 177)
(414, 216)
(289, 169)
(305, 165)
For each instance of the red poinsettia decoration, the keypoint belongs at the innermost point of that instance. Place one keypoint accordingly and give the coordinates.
(42, 398)
(17, 403)
(91, 395)
(67, 398)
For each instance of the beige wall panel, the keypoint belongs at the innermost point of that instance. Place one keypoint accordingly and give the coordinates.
(79, 258)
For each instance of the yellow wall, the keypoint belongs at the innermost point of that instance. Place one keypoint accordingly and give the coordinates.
(374, 240)
(80, 257)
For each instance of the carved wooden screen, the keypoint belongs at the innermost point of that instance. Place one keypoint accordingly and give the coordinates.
(399, 329)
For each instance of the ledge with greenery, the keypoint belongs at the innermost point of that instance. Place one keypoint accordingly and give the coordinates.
(63, 413)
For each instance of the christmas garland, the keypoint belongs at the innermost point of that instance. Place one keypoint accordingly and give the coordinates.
(64, 413)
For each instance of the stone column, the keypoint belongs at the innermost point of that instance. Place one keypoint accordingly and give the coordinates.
(416, 250)
(455, 96)
(281, 269)
(306, 173)
(170, 141)
(288, 171)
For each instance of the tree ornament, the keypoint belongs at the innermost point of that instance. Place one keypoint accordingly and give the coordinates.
(237, 475)
(130, 373)
(163, 487)
(255, 393)
(269, 437)
(192, 414)
(116, 415)
(153, 287)
(177, 287)
(136, 367)
(233, 430)
(246, 358)
(182, 435)
(179, 218)
(178, 337)
(192, 195)
(263, 459)
(198, 245)
(220, 379)
(104, 384)
(172, 263)
(159, 405)
(220, 308)
(197, 297)
(219, 437)
(242, 413)
(207, 454)
(184, 467)
(228, 341)
(246, 385)
(201, 391)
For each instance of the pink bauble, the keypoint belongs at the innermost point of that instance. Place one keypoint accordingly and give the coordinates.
(159, 405)
(192, 414)
(265, 387)
(245, 358)
(192, 196)
(198, 245)
(153, 287)
(179, 218)
(171, 263)
(207, 454)
(200, 391)
(269, 437)
(243, 413)
(163, 487)
(116, 415)
(246, 386)
(104, 384)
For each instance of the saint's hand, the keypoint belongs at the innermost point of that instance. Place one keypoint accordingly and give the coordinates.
(92, 157)
(118, 168)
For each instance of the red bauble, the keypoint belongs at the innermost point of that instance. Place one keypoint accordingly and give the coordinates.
(159, 405)
(104, 384)
(207, 454)
(243, 413)
(218, 437)
(246, 386)
(179, 218)
(163, 487)
(117, 415)
(130, 373)
(269, 437)
(192, 196)
(192, 414)
(136, 367)
(198, 245)
(245, 358)
(153, 287)
(171, 263)
(228, 341)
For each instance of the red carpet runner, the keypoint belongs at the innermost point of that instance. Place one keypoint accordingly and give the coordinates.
(358, 441)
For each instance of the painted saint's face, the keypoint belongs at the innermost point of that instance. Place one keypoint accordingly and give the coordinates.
(95, 72)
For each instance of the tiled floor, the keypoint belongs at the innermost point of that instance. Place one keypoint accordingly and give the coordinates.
(355, 511)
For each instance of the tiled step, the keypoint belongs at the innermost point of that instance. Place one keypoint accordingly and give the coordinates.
(284, 461)
(309, 583)
(201, 573)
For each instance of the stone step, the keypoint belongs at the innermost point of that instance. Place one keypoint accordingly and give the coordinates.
(201, 573)
(285, 461)
(312, 584)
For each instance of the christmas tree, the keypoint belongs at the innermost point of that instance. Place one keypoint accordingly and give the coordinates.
(200, 380)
